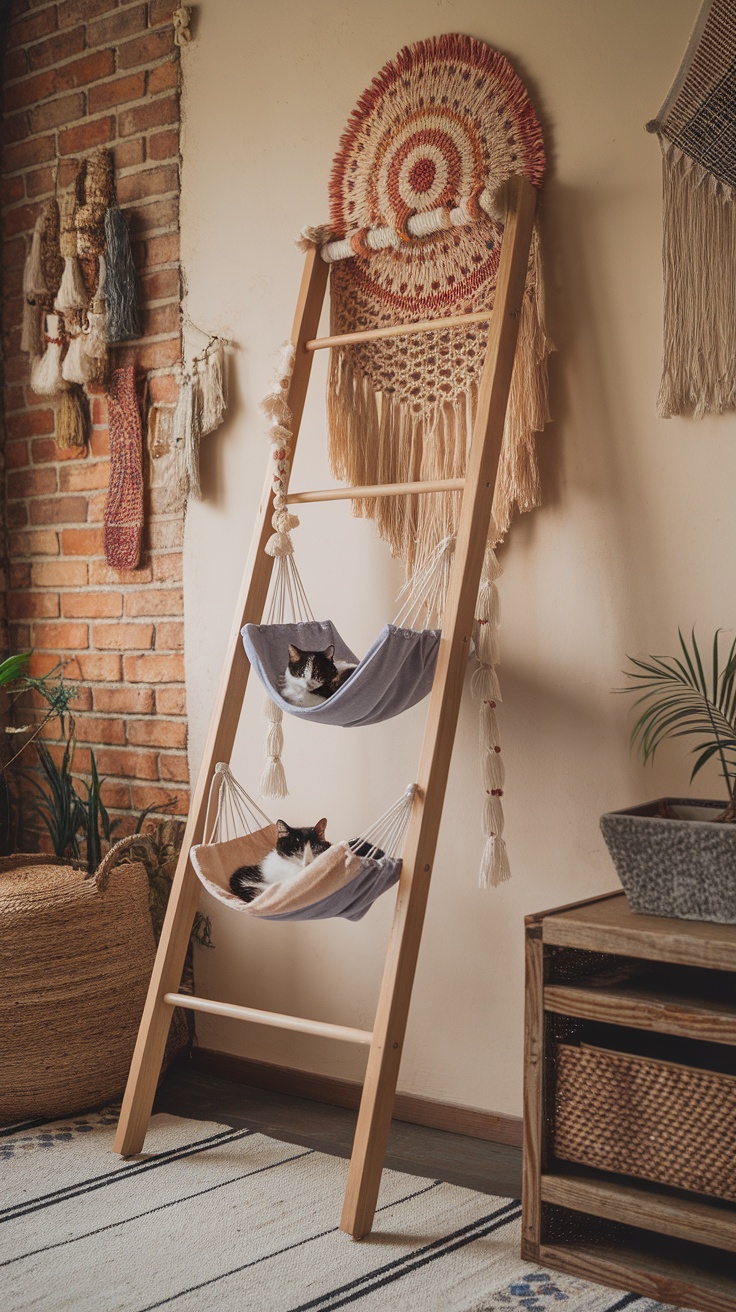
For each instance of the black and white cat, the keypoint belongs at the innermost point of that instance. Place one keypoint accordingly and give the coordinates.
(294, 850)
(312, 676)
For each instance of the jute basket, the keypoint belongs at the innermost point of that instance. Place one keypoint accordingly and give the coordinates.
(76, 955)
(655, 1120)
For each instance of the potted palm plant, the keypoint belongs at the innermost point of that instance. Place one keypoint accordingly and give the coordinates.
(677, 856)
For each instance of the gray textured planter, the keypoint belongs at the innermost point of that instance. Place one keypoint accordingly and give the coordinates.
(684, 868)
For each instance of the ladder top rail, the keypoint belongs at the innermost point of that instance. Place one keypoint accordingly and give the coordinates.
(376, 490)
(397, 330)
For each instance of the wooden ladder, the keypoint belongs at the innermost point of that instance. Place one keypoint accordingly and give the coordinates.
(387, 1037)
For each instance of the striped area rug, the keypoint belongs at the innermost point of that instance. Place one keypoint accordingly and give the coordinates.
(215, 1218)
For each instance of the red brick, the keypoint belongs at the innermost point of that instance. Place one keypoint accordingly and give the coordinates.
(105, 95)
(163, 77)
(31, 482)
(15, 64)
(26, 154)
(20, 219)
(163, 388)
(107, 31)
(131, 765)
(171, 701)
(14, 127)
(92, 605)
(59, 574)
(81, 72)
(42, 663)
(123, 637)
(175, 801)
(154, 667)
(33, 544)
(158, 250)
(16, 455)
(33, 605)
(159, 355)
(61, 637)
(82, 542)
(115, 796)
(110, 732)
(124, 701)
(162, 319)
(148, 182)
(44, 450)
(20, 636)
(171, 766)
(59, 510)
(80, 11)
(164, 145)
(96, 508)
(20, 576)
(45, 54)
(16, 515)
(85, 136)
(12, 314)
(11, 190)
(129, 153)
(99, 443)
(161, 11)
(170, 635)
(31, 28)
(100, 573)
(154, 114)
(159, 284)
(166, 533)
(30, 90)
(40, 183)
(148, 48)
(157, 733)
(167, 568)
(97, 667)
(90, 476)
(57, 113)
(154, 601)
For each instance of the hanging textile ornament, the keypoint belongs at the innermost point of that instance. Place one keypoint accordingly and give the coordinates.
(72, 294)
(273, 779)
(72, 369)
(431, 142)
(124, 508)
(73, 419)
(46, 379)
(186, 435)
(120, 287)
(695, 127)
(94, 356)
(494, 866)
(51, 258)
(34, 293)
(167, 473)
(211, 380)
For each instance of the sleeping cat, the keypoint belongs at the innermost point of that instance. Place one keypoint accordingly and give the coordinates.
(294, 850)
(312, 676)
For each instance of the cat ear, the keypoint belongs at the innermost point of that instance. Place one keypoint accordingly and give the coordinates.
(329, 653)
(282, 827)
(294, 653)
(319, 828)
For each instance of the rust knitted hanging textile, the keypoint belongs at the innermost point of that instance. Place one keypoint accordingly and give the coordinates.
(442, 126)
(124, 506)
(696, 127)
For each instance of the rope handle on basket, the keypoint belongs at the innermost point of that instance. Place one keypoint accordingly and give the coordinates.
(102, 874)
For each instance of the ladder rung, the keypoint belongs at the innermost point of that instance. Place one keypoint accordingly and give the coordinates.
(398, 330)
(275, 1018)
(379, 490)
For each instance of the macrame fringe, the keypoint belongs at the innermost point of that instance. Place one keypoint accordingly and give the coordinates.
(120, 290)
(273, 779)
(73, 421)
(185, 436)
(167, 471)
(211, 388)
(699, 265)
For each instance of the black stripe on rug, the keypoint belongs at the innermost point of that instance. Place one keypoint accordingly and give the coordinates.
(401, 1266)
(120, 1173)
(279, 1252)
(626, 1301)
(63, 1243)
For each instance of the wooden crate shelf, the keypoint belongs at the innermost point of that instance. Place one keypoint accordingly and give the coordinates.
(646, 984)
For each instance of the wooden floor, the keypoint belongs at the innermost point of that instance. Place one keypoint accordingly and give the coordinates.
(491, 1168)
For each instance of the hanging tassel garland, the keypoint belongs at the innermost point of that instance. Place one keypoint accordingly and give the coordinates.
(273, 779)
(46, 379)
(275, 408)
(120, 287)
(73, 420)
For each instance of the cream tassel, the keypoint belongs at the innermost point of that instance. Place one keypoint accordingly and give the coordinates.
(212, 387)
(72, 293)
(46, 379)
(273, 779)
(94, 357)
(185, 434)
(34, 288)
(72, 428)
(71, 369)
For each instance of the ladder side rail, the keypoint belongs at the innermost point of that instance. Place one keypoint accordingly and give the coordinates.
(154, 1027)
(374, 1118)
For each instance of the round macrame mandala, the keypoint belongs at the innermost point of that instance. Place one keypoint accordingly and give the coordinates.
(444, 120)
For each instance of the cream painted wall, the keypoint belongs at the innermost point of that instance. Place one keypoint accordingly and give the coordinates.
(634, 537)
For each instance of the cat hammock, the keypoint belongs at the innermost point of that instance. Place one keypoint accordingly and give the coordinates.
(343, 881)
(513, 314)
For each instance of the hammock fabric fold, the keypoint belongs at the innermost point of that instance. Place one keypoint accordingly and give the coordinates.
(337, 883)
(396, 672)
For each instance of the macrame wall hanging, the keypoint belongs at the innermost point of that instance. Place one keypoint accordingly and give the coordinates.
(414, 234)
(696, 127)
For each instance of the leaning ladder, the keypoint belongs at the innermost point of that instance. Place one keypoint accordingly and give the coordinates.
(386, 1040)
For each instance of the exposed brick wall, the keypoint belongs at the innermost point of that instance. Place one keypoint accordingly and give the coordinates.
(79, 74)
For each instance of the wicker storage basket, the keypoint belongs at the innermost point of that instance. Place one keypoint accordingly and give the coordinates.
(652, 1119)
(76, 954)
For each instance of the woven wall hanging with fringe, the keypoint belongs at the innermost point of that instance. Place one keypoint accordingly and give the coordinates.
(416, 223)
(696, 127)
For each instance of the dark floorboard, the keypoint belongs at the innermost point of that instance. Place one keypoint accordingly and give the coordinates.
(491, 1168)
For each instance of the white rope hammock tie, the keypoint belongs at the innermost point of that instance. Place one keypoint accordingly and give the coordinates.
(235, 813)
(386, 835)
(425, 592)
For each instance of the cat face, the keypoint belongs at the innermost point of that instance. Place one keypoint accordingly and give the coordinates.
(313, 669)
(301, 845)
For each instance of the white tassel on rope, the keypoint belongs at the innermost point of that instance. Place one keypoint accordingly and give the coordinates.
(211, 375)
(46, 379)
(494, 866)
(273, 779)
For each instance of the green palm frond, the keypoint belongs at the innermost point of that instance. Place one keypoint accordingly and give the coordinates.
(678, 699)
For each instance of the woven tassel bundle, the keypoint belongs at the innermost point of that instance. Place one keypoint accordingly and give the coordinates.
(35, 292)
(72, 370)
(73, 419)
(72, 294)
(273, 779)
(120, 287)
(46, 379)
(94, 357)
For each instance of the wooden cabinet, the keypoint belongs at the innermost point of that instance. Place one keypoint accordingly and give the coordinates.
(662, 992)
